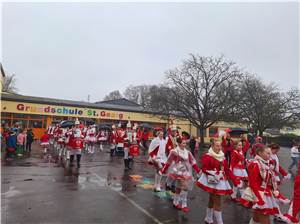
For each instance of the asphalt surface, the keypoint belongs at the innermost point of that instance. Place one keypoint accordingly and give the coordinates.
(36, 191)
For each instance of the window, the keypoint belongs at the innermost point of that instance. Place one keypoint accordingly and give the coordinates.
(19, 122)
(36, 117)
(35, 124)
(5, 114)
(5, 122)
(213, 131)
(23, 116)
(204, 132)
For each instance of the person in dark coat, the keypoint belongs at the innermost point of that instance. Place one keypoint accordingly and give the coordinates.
(29, 140)
(193, 145)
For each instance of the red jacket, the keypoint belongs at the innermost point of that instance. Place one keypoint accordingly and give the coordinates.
(170, 145)
(237, 160)
(256, 181)
(227, 147)
(210, 163)
(45, 138)
(246, 146)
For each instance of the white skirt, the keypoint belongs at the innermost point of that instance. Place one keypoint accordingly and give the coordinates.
(45, 143)
(90, 139)
(241, 173)
(269, 208)
(221, 188)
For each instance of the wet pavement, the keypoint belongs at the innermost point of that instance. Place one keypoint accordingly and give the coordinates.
(35, 191)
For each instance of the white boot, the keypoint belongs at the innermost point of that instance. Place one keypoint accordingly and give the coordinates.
(218, 216)
(176, 199)
(183, 198)
(235, 190)
(157, 182)
(209, 215)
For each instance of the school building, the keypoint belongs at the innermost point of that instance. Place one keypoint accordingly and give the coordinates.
(37, 113)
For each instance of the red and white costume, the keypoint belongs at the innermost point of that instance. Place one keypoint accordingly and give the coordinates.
(45, 140)
(278, 170)
(215, 166)
(263, 184)
(238, 165)
(157, 152)
(246, 146)
(157, 157)
(292, 215)
(91, 135)
(102, 135)
(171, 143)
(182, 169)
(183, 163)
(120, 137)
(76, 141)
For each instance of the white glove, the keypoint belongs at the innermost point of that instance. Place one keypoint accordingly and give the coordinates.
(287, 177)
(219, 176)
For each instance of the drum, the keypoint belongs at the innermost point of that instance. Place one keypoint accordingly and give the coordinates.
(77, 143)
(134, 150)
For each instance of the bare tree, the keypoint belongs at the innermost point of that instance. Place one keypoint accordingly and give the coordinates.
(9, 84)
(113, 95)
(263, 106)
(148, 96)
(202, 90)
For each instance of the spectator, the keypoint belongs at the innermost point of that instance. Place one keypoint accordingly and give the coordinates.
(295, 153)
(21, 140)
(11, 145)
(29, 140)
(193, 145)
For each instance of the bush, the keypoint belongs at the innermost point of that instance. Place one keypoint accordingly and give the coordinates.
(286, 140)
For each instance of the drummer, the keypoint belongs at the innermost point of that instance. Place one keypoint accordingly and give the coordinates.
(76, 140)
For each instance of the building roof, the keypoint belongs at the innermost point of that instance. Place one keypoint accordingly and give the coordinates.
(121, 101)
(120, 105)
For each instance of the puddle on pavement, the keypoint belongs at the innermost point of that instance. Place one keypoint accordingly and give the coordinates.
(11, 192)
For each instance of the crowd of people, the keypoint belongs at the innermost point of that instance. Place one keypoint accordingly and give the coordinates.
(250, 174)
(16, 142)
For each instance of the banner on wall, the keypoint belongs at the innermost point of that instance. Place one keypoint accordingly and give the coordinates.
(53, 110)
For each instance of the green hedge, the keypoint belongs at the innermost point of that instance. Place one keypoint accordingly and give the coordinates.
(283, 140)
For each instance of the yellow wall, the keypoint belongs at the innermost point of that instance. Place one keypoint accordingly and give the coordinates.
(53, 110)
(81, 112)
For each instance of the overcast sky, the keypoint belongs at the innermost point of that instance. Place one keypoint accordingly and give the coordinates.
(70, 50)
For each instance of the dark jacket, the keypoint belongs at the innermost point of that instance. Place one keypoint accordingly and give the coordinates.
(30, 137)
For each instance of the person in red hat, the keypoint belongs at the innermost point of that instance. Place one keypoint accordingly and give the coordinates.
(157, 157)
(263, 189)
(76, 143)
(215, 180)
(183, 163)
